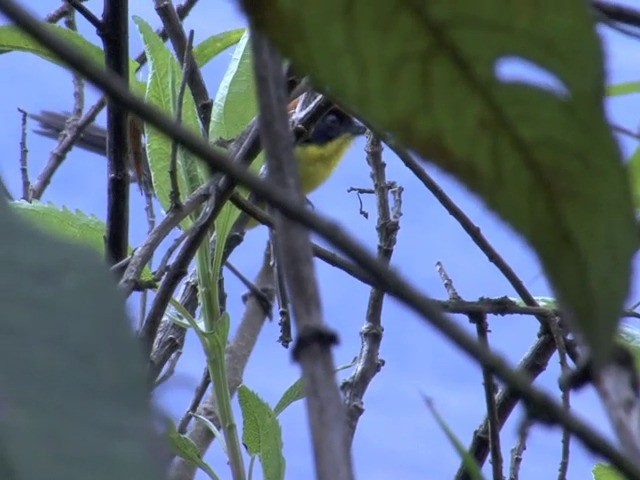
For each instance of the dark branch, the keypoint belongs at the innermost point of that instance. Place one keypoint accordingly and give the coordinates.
(115, 38)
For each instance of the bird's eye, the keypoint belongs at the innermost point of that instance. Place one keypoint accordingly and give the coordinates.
(332, 120)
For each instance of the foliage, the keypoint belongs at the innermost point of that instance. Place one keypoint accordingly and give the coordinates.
(543, 158)
(75, 386)
(561, 181)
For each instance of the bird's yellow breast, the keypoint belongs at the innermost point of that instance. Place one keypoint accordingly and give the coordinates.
(316, 163)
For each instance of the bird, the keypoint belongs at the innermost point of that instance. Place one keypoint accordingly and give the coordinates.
(318, 154)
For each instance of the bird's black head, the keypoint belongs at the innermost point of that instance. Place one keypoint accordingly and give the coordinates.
(334, 124)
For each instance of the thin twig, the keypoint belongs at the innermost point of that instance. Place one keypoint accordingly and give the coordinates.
(359, 192)
(182, 10)
(58, 14)
(198, 395)
(170, 368)
(87, 14)
(172, 219)
(518, 450)
(193, 75)
(151, 224)
(168, 344)
(368, 362)
(618, 13)
(24, 151)
(253, 289)
(468, 226)
(479, 445)
(164, 261)
(72, 132)
(624, 131)
(78, 81)
(453, 294)
(482, 330)
(284, 307)
(558, 337)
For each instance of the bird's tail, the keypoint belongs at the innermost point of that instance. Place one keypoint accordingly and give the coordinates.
(94, 139)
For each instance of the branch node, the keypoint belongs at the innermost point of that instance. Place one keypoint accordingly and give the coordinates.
(311, 336)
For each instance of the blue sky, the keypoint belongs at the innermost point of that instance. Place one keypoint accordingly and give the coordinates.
(396, 436)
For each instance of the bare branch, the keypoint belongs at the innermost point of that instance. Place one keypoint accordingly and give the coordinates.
(114, 33)
(368, 363)
(173, 27)
(618, 13)
(86, 13)
(518, 450)
(482, 330)
(24, 150)
(314, 339)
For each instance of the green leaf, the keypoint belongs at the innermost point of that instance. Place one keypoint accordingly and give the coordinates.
(75, 397)
(216, 44)
(12, 39)
(625, 88)
(543, 158)
(234, 107)
(184, 447)
(261, 433)
(236, 102)
(165, 77)
(179, 315)
(77, 227)
(602, 471)
(213, 429)
(296, 392)
(545, 302)
(469, 462)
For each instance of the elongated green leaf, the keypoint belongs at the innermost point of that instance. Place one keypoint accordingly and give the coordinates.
(187, 449)
(296, 392)
(75, 397)
(602, 471)
(433, 75)
(75, 226)
(626, 88)
(12, 39)
(165, 77)
(234, 107)
(216, 44)
(261, 433)
(469, 462)
(235, 103)
(213, 429)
